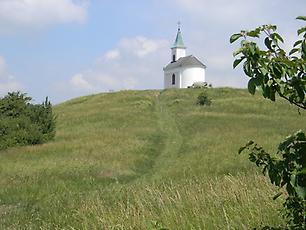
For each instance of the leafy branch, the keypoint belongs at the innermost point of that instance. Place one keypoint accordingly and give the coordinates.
(279, 73)
(287, 171)
(272, 69)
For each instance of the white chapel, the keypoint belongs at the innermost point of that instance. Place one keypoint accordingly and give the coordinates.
(183, 71)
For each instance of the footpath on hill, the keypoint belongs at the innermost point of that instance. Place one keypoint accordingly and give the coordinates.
(167, 126)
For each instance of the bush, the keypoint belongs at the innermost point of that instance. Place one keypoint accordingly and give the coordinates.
(23, 123)
(203, 99)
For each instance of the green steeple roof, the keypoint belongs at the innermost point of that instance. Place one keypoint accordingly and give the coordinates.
(179, 40)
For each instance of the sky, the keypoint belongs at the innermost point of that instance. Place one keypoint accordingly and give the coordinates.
(68, 48)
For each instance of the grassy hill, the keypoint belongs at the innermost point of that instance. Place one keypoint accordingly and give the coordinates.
(146, 160)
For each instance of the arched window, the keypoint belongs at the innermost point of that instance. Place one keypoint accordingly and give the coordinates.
(173, 58)
(173, 79)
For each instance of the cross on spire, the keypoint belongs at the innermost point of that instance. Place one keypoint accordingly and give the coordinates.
(179, 25)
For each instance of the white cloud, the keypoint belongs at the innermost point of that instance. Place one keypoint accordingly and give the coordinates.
(112, 55)
(140, 46)
(135, 63)
(8, 83)
(25, 14)
(79, 82)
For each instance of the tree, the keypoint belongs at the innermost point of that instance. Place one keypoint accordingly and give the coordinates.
(23, 123)
(279, 73)
(14, 104)
(42, 115)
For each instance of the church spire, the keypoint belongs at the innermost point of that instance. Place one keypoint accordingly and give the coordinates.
(178, 49)
(179, 39)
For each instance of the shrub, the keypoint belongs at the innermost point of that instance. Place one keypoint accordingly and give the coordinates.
(203, 99)
(23, 123)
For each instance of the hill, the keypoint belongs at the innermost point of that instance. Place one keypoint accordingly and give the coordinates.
(146, 160)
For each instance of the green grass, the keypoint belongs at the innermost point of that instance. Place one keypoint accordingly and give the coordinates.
(146, 160)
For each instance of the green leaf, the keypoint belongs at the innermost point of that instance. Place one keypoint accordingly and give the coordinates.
(270, 27)
(254, 34)
(268, 43)
(273, 27)
(263, 70)
(304, 47)
(247, 69)
(244, 43)
(278, 37)
(301, 30)
(252, 86)
(277, 70)
(244, 147)
(301, 18)
(257, 80)
(252, 48)
(282, 88)
(297, 43)
(270, 82)
(294, 51)
(234, 37)
(300, 190)
(249, 143)
(241, 149)
(266, 91)
(237, 52)
(300, 92)
(237, 62)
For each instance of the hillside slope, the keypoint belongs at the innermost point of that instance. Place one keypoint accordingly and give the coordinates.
(146, 160)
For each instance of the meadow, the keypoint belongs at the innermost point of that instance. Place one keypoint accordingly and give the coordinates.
(148, 160)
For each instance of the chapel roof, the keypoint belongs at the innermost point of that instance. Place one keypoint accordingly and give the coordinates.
(188, 61)
(178, 43)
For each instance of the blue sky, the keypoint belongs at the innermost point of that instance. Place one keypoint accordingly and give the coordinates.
(68, 48)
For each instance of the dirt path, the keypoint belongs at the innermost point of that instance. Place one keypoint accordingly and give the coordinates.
(172, 137)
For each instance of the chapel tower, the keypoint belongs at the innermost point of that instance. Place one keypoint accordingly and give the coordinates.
(178, 49)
